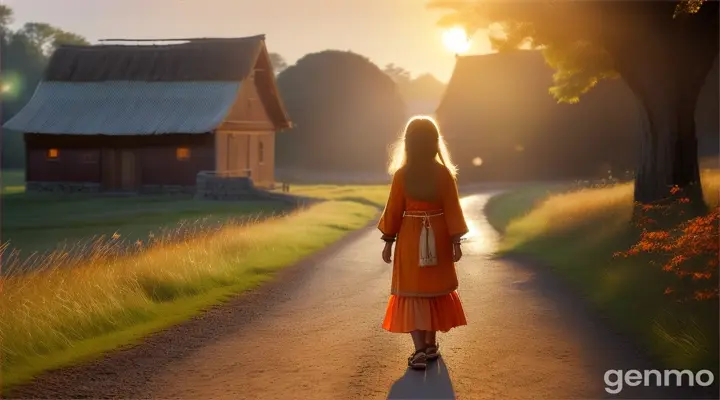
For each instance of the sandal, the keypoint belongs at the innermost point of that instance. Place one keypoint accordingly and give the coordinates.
(432, 352)
(418, 360)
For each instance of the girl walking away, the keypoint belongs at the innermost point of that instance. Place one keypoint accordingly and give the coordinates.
(423, 215)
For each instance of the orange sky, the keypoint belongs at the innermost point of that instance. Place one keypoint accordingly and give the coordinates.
(387, 31)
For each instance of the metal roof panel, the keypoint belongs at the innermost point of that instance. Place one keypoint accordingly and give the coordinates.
(126, 108)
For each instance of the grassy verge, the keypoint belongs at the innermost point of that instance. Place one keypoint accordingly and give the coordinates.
(576, 233)
(375, 195)
(42, 223)
(513, 204)
(13, 181)
(58, 315)
(45, 223)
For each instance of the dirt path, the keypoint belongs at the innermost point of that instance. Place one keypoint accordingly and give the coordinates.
(315, 334)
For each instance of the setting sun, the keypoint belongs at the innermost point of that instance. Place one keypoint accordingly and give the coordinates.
(456, 40)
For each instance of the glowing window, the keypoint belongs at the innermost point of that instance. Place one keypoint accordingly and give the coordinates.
(182, 153)
(53, 154)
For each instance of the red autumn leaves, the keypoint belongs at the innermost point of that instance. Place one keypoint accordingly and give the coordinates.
(688, 250)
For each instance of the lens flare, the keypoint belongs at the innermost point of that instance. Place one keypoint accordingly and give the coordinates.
(11, 84)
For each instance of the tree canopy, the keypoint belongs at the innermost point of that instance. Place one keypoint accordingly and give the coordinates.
(25, 54)
(346, 112)
(662, 50)
(278, 62)
(424, 87)
(496, 107)
(587, 41)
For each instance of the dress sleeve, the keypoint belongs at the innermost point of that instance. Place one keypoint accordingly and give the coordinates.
(457, 227)
(391, 218)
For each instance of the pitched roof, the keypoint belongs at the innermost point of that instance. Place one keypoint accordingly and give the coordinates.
(126, 108)
(508, 92)
(144, 89)
(491, 81)
(196, 60)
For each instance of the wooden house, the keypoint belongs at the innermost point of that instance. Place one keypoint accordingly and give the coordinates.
(501, 123)
(497, 112)
(149, 118)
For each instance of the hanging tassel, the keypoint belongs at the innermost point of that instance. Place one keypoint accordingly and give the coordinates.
(428, 256)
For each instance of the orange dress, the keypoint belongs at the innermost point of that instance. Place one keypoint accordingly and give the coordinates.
(423, 297)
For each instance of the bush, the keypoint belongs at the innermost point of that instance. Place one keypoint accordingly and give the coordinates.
(688, 249)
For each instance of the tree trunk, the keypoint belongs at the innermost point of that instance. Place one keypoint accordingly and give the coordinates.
(668, 150)
(665, 61)
(686, 168)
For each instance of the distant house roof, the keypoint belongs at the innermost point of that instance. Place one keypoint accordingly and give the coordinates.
(491, 92)
(480, 84)
(508, 92)
(143, 89)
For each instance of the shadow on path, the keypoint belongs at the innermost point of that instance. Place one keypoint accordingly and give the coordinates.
(607, 346)
(433, 383)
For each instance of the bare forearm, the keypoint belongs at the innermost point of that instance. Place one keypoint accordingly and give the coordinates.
(389, 238)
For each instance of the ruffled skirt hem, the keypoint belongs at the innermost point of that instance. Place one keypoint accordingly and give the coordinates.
(406, 314)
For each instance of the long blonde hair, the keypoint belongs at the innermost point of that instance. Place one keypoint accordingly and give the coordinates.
(398, 153)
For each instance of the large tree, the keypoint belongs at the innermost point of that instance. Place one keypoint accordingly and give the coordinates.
(346, 112)
(278, 63)
(23, 56)
(47, 38)
(400, 75)
(422, 87)
(663, 50)
(6, 17)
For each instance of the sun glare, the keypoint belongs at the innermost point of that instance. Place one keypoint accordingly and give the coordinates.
(456, 40)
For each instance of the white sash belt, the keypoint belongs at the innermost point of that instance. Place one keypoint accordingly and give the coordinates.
(428, 254)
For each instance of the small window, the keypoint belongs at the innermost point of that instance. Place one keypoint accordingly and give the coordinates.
(261, 152)
(53, 154)
(182, 153)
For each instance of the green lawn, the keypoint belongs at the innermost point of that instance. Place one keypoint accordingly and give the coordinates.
(38, 223)
(374, 195)
(44, 222)
(575, 234)
(515, 203)
(13, 181)
(75, 308)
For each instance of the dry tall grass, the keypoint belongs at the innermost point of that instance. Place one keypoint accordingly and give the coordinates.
(50, 311)
(564, 212)
(116, 247)
(576, 233)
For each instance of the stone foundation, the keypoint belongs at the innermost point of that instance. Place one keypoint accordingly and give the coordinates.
(215, 187)
(167, 189)
(208, 187)
(62, 187)
(89, 187)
